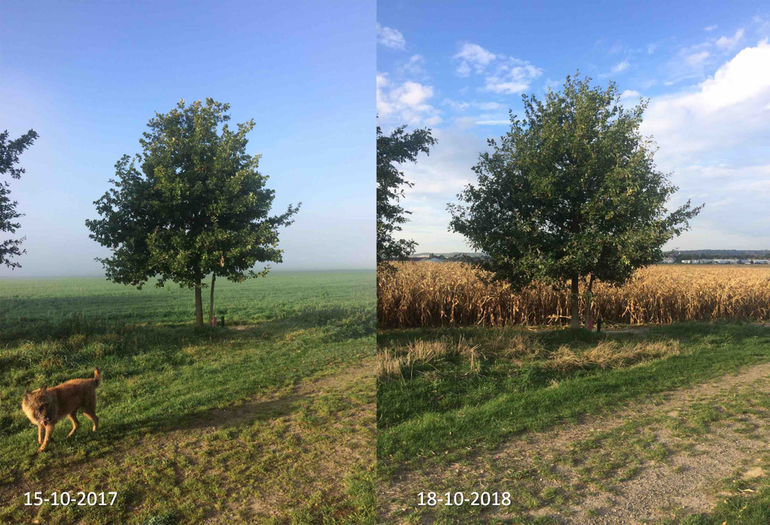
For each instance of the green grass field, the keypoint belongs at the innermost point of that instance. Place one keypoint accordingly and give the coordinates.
(472, 400)
(216, 425)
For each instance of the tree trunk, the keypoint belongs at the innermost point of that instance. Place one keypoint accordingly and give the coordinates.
(575, 321)
(211, 300)
(198, 301)
(589, 298)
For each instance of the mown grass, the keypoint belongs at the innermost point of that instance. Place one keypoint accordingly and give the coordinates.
(162, 378)
(450, 407)
(557, 479)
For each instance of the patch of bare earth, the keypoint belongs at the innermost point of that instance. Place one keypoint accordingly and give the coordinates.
(644, 463)
(333, 460)
(259, 455)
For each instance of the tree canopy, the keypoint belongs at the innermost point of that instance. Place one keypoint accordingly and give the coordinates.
(191, 204)
(571, 191)
(9, 158)
(397, 148)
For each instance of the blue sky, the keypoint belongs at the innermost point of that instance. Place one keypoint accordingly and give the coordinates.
(459, 66)
(87, 76)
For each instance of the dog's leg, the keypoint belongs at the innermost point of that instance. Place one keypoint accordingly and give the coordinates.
(48, 434)
(40, 434)
(75, 424)
(93, 418)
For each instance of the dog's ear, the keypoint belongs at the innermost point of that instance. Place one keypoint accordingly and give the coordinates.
(43, 389)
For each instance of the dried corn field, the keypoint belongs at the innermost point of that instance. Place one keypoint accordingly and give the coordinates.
(437, 294)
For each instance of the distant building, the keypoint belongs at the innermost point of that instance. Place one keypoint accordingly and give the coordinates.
(725, 261)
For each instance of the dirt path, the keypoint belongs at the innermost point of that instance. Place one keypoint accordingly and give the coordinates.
(330, 460)
(677, 455)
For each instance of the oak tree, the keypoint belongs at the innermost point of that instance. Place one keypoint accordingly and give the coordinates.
(9, 158)
(397, 148)
(191, 204)
(571, 194)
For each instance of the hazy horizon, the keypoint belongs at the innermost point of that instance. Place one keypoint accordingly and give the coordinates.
(89, 76)
(170, 283)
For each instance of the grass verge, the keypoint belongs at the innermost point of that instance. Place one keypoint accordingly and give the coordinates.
(442, 409)
(209, 425)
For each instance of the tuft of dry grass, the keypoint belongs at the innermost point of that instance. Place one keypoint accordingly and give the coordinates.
(399, 362)
(392, 362)
(442, 294)
(611, 354)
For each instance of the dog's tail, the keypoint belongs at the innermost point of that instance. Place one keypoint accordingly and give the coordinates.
(97, 377)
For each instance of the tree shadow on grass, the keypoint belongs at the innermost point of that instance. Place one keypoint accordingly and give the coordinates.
(109, 439)
(688, 332)
(73, 345)
(237, 416)
(353, 320)
(448, 384)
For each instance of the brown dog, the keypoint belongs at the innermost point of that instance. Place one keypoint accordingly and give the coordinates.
(45, 406)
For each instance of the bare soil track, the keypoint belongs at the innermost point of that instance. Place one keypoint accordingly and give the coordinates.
(256, 460)
(678, 454)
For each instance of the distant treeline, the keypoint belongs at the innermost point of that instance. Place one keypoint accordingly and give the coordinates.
(680, 255)
(675, 256)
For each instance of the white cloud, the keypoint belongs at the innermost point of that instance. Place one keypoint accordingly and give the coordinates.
(448, 168)
(713, 139)
(552, 84)
(710, 28)
(437, 180)
(512, 76)
(708, 234)
(725, 107)
(389, 37)
(762, 24)
(691, 62)
(457, 106)
(463, 69)
(696, 59)
(461, 106)
(651, 48)
(472, 55)
(729, 43)
(464, 123)
(727, 172)
(498, 122)
(487, 105)
(620, 67)
(741, 79)
(414, 65)
(412, 93)
(630, 94)
(406, 103)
